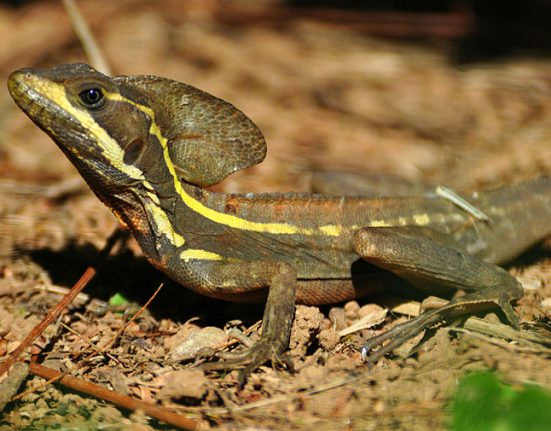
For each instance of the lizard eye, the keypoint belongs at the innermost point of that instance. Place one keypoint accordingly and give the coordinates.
(92, 98)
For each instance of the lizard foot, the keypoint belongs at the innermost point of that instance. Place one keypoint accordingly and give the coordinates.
(249, 359)
(397, 336)
(454, 309)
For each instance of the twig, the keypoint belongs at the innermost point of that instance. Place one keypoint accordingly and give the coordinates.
(124, 401)
(134, 317)
(61, 290)
(501, 343)
(97, 350)
(461, 202)
(495, 333)
(61, 305)
(450, 25)
(89, 44)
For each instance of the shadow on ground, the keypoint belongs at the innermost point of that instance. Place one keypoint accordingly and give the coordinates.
(134, 278)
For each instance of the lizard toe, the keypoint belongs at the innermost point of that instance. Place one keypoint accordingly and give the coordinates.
(248, 360)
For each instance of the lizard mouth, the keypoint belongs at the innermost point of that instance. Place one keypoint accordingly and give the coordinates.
(24, 87)
(89, 147)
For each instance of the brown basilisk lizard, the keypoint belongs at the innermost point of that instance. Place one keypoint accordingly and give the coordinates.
(148, 147)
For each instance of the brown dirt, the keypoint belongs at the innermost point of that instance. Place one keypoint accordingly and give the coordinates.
(326, 97)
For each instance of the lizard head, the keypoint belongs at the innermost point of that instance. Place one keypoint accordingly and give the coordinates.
(128, 130)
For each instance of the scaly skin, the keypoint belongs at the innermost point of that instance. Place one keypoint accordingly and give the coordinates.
(148, 146)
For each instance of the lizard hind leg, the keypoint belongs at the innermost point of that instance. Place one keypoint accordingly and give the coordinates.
(422, 259)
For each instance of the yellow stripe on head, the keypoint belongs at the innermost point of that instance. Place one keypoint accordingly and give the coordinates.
(111, 150)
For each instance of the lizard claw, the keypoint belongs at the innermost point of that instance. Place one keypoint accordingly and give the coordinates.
(398, 336)
(248, 360)
(453, 309)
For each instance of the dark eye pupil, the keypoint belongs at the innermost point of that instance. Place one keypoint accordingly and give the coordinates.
(91, 97)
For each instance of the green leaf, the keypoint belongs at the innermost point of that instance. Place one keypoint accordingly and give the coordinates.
(118, 299)
(483, 403)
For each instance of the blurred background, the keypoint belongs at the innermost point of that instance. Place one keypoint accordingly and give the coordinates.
(451, 92)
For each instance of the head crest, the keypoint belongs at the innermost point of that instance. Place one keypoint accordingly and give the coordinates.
(208, 138)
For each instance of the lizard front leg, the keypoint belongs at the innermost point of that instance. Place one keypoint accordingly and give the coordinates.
(415, 256)
(227, 279)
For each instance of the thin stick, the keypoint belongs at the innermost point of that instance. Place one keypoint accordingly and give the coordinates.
(159, 413)
(134, 317)
(453, 197)
(55, 312)
(97, 350)
(89, 44)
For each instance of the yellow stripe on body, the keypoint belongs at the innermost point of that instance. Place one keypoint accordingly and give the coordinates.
(209, 213)
(115, 154)
(421, 219)
(197, 254)
(162, 222)
(238, 222)
(332, 230)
